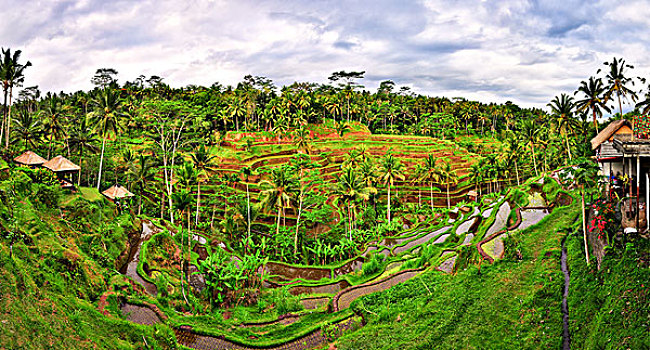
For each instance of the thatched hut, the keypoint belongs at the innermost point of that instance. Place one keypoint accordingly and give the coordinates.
(117, 192)
(30, 159)
(62, 167)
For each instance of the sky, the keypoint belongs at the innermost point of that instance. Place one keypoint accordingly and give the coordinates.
(526, 52)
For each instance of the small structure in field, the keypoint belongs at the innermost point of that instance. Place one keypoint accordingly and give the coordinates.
(62, 167)
(473, 195)
(30, 159)
(117, 192)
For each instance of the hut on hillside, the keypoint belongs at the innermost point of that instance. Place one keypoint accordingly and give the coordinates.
(30, 159)
(62, 168)
(117, 192)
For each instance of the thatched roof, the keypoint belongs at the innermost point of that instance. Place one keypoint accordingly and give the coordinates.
(606, 133)
(30, 158)
(61, 164)
(117, 192)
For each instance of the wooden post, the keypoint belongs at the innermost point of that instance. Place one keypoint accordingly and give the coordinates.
(647, 201)
(638, 183)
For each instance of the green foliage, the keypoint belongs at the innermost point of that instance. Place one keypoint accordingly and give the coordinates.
(373, 264)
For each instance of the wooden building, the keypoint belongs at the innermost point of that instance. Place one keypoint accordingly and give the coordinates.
(30, 159)
(117, 192)
(64, 169)
(609, 158)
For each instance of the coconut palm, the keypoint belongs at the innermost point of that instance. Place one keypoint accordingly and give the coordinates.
(28, 129)
(83, 138)
(277, 193)
(350, 188)
(11, 74)
(54, 121)
(106, 117)
(390, 169)
(562, 110)
(529, 135)
(204, 164)
(183, 202)
(430, 174)
(447, 175)
(617, 81)
(142, 176)
(246, 172)
(595, 98)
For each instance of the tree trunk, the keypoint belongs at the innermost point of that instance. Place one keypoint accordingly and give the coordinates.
(277, 227)
(198, 203)
(8, 133)
(431, 193)
(101, 163)
(448, 199)
(517, 172)
(532, 152)
(584, 224)
(568, 149)
(388, 203)
(295, 237)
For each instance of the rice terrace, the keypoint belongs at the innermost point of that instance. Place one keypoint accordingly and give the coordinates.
(347, 209)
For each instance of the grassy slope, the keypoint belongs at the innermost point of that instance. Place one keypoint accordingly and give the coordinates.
(510, 305)
(52, 284)
(610, 308)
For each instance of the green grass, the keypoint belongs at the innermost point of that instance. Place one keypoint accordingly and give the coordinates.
(610, 308)
(508, 305)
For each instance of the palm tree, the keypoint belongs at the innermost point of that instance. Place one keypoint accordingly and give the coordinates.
(247, 172)
(11, 74)
(447, 175)
(595, 98)
(277, 193)
(83, 138)
(107, 119)
(430, 174)
(183, 202)
(390, 169)
(142, 176)
(617, 81)
(530, 136)
(54, 119)
(645, 104)
(28, 129)
(350, 188)
(204, 164)
(562, 109)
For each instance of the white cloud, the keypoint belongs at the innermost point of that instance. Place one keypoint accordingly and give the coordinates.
(523, 51)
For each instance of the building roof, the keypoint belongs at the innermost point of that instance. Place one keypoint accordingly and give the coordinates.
(607, 150)
(606, 133)
(30, 158)
(61, 164)
(117, 192)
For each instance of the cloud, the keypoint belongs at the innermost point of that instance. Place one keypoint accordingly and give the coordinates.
(523, 51)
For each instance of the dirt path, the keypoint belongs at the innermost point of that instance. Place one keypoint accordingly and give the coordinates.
(566, 337)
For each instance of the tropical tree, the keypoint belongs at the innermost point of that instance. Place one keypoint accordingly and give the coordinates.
(28, 129)
(390, 169)
(204, 163)
(618, 82)
(11, 74)
(277, 193)
(183, 202)
(529, 135)
(350, 188)
(595, 98)
(83, 138)
(447, 175)
(431, 174)
(143, 175)
(54, 121)
(562, 110)
(107, 117)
